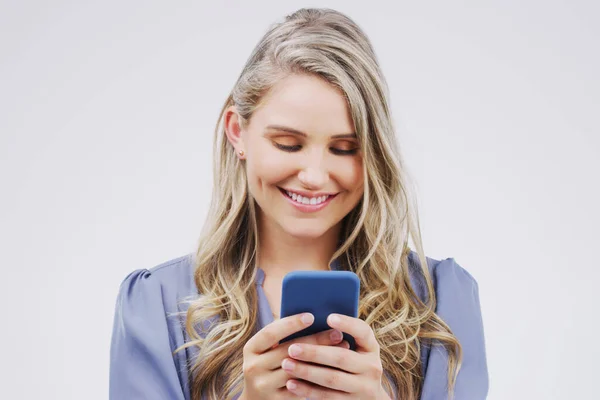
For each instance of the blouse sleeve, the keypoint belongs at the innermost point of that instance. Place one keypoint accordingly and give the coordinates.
(458, 305)
(141, 360)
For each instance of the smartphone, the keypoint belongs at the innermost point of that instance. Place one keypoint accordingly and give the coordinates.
(320, 293)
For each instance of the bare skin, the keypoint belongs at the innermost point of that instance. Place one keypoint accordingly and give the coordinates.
(263, 376)
(293, 142)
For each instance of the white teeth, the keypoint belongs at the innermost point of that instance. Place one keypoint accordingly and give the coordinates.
(306, 200)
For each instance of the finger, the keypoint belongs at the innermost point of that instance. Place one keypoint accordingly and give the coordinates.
(278, 378)
(322, 376)
(273, 358)
(273, 381)
(285, 394)
(331, 356)
(306, 390)
(325, 338)
(357, 328)
(271, 334)
(343, 345)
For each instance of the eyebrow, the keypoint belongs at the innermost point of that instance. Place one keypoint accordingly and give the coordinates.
(300, 133)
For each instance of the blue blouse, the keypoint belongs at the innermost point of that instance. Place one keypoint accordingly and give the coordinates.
(147, 330)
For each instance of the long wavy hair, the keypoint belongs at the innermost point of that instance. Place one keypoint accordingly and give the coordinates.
(374, 235)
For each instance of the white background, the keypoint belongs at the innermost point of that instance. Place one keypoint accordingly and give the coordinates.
(106, 117)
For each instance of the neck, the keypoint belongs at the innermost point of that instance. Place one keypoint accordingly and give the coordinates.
(280, 252)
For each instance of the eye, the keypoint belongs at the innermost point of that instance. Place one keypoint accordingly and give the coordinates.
(343, 152)
(345, 148)
(334, 150)
(287, 148)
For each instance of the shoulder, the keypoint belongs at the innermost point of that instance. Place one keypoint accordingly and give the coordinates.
(144, 336)
(148, 293)
(458, 305)
(172, 279)
(456, 293)
(172, 272)
(447, 276)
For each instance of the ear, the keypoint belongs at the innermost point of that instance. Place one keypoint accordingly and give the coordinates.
(233, 130)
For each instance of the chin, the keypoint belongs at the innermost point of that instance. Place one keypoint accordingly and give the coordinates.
(305, 232)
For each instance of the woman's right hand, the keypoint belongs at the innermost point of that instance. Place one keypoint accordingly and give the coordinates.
(263, 376)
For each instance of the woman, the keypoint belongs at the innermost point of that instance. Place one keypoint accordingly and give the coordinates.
(308, 176)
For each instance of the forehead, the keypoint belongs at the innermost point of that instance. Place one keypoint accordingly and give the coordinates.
(306, 103)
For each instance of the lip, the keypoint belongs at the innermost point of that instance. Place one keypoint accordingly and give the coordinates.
(308, 194)
(308, 207)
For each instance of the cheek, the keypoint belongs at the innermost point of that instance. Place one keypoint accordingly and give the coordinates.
(351, 175)
(267, 167)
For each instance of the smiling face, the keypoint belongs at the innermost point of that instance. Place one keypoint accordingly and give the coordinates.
(301, 140)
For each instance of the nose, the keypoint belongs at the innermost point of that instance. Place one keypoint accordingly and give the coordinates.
(314, 175)
(313, 178)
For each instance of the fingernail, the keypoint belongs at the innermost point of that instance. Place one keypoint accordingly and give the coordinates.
(334, 319)
(288, 365)
(335, 335)
(295, 350)
(307, 318)
(291, 385)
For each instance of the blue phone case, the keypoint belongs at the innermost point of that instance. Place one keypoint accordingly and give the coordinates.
(321, 293)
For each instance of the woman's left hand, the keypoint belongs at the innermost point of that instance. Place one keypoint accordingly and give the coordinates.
(358, 374)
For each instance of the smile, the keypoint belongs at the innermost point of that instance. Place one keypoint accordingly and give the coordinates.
(307, 204)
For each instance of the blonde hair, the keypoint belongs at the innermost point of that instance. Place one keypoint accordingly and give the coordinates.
(374, 236)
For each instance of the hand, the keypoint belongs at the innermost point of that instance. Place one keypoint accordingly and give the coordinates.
(263, 376)
(358, 374)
